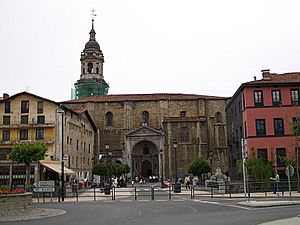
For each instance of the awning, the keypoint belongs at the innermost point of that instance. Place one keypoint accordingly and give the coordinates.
(56, 167)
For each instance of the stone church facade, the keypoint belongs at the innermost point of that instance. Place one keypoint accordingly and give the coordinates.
(155, 134)
(141, 130)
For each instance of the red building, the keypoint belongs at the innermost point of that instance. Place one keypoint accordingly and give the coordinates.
(264, 112)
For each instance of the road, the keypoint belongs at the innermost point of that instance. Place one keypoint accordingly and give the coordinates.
(178, 211)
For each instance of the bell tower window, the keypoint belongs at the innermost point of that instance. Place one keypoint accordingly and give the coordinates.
(97, 70)
(83, 70)
(90, 67)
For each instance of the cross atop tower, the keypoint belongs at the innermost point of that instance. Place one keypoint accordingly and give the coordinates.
(93, 16)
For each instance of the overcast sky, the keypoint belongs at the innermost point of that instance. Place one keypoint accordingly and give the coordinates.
(157, 46)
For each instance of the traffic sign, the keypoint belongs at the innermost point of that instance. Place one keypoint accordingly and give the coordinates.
(289, 171)
(45, 186)
(44, 189)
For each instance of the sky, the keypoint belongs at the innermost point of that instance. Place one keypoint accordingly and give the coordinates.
(157, 46)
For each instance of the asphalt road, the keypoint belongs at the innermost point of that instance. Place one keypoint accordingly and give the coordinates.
(167, 212)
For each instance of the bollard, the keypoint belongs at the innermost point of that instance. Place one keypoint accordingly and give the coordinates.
(77, 194)
(152, 193)
(94, 193)
(170, 192)
(211, 191)
(135, 196)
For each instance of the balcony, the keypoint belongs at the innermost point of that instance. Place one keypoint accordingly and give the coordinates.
(30, 141)
(28, 125)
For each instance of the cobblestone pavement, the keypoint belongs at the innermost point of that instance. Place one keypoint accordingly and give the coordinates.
(29, 214)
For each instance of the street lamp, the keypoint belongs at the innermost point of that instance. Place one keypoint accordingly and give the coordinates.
(109, 171)
(162, 167)
(175, 152)
(61, 111)
(106, 145)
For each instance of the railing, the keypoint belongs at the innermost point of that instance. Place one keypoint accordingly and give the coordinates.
(155, 192)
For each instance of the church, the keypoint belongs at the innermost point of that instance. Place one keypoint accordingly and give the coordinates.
(156, 134)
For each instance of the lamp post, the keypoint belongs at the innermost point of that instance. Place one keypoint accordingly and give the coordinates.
(175, 158)
(109, 157)
(61, 111)
(106, 145)
(162, 168)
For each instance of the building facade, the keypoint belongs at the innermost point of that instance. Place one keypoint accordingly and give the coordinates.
(264, 112)
(141, 131)
(28, 118)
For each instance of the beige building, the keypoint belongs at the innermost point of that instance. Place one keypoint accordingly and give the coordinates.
(28, 118)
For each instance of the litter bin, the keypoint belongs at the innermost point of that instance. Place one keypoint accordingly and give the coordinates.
(107, 190)
(177, 188)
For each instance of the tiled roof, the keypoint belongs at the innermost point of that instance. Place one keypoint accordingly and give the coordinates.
(143, 97)
(269, 79)
(277, 78)
(26, 93)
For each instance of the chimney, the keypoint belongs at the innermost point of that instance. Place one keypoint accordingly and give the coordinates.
(5, 96)
(266, 74)
(254, 78)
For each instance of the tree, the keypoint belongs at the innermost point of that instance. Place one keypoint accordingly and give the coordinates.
(256, 168)
(198, 167)
(28, 153)
(116, 169)
(100, 169)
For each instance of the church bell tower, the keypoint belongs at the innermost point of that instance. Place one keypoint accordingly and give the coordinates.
(91, 82)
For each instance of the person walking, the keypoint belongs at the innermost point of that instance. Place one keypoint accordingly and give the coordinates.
(187, 182)
(276, 183)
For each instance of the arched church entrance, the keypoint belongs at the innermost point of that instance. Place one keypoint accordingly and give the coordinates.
(145, 160)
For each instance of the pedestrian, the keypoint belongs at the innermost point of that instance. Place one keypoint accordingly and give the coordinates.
(187, 182)
(276, 183)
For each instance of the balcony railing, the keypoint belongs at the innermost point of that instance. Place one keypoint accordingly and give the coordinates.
(28, 125)
(14, 142)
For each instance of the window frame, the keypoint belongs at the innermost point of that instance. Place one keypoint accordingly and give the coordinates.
(145, 117)
(5, 135)
(7, 107)
(6, 120)
(40, 119)
(39, 134)
(295, 96)
(279, 157)
(24, 119)
(258, 98)
(24, 106)
(24, 134)
(262, 153)
(278, 124)
(109, 118)
(276, 97)
(40, 107)
(259, 123)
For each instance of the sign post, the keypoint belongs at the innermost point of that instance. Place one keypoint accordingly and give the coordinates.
(289, 171)
(244, 156)
(45, 186)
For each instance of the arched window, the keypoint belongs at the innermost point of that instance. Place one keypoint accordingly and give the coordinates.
(90, 68)
(83, 70)
(97, 70)
(145, 118)
(109, 119)
(218, 117)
